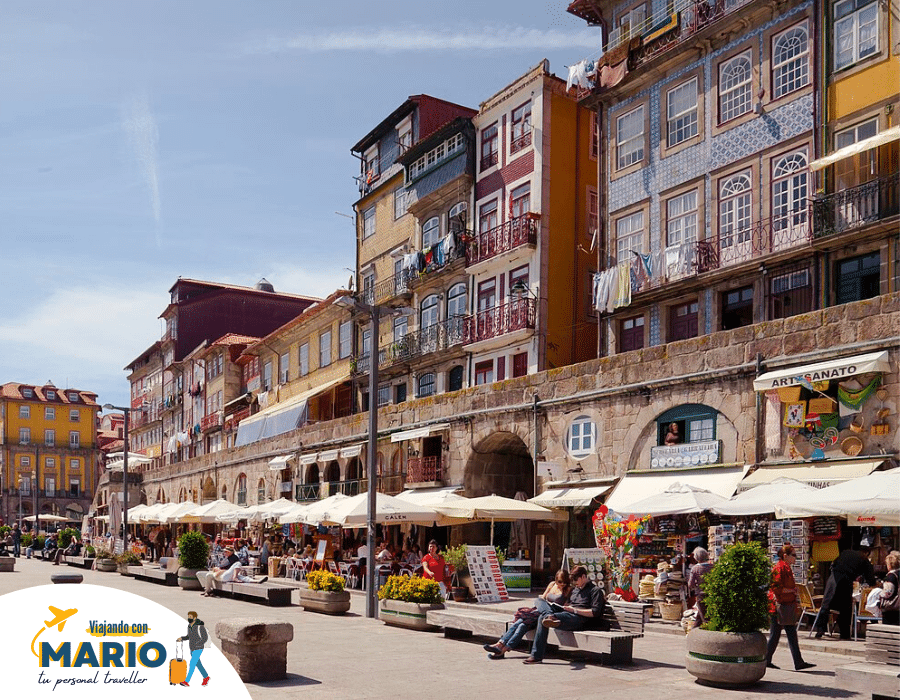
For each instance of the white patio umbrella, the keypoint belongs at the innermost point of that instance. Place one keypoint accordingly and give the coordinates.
(389, 510)
(135, 512)
(677, 499)
(150, 515)
(239, 513)
(207, 513)
(316, 510)
(297, 514)
(869, 500)
(761, 499)
(174, 511)
(498, 508)
(47, 517)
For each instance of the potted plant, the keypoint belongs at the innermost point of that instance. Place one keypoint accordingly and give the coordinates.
(406, 600)
(456, 558)
(193, 553)
(105, 560)
(64, 536)
(126, 559)
(89, 552)
(325, 594)
(729, 649)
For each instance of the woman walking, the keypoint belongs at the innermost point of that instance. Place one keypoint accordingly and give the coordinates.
(784, 589)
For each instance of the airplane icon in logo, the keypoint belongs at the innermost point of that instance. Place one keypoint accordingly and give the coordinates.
(61, 617)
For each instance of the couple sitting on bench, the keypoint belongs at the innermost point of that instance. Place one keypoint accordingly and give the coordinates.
(229, 573)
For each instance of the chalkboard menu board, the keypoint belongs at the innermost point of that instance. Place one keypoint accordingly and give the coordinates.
(824, 529)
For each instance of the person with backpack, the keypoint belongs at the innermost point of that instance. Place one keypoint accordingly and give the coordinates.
(197, 636)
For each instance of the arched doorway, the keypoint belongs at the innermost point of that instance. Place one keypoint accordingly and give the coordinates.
(351, 485)
(75, 511)
(182, 495)
(333, 477)
(209, 491)
(310, 491)
(160, 496)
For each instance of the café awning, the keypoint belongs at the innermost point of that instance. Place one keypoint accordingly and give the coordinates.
(328, 455)
(569, 497)
(816, 474)
(637, 485)
(823, 371)
(886, 136)
(309, 458)
(276, 464)
(353, 450)
(419, 432)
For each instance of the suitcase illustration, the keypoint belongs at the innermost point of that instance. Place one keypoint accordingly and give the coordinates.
(178, 666)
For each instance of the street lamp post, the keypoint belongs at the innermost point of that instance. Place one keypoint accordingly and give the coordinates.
(126, 412)
(36, 475)
(20, 504)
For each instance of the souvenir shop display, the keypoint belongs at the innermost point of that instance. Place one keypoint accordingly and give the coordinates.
(796, 533)
(616, 537)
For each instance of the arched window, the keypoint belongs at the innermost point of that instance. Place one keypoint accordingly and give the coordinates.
(397, 462)
(581, 439)
(790, 61)
(790, 190)
(241, 490)
(426, 385)
(696, 423)
(735, 87)
(457, 216)
(261, 491)
(430, 311)
(431, 232)
(455, 378)
(735, 206)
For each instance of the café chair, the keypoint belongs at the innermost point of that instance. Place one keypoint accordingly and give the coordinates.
(811, 607)
(860, 614)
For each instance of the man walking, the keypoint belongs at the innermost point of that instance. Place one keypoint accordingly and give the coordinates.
(584, 611)
(17, 540)
(197, 637)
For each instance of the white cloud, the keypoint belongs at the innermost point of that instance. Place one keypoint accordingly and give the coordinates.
(419, 38)
(143, 135)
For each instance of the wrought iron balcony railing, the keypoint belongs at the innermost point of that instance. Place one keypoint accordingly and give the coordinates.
(510, 316)
(507, 236)
(212, 421)
(306, 492)
(390, 288)
(423, 469)
(858, 206)
(434, 338)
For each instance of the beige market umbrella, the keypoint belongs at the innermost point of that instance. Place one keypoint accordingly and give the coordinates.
(389, 510)
(174, 511)
(315, 511)
(498, 508)
(209, 512)
(677, 499)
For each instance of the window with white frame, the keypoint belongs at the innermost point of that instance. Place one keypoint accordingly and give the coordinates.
(630, 138)
(520, 132)
(371, 168)
(75, 465)
(73, 396)
(24, 411)
(51, 394)
(50, 438)
(368, 287)
(267, 376)
(629, 236)
(27, 392)
(399, 202)
(855, 31)
(790, 190)
(369, 222)
(735, 86)
(582, 437)
(490, 144)
(325, 348)
(401, 328)
(24, 436)
(366, 342)
(735, 202)
(303, 359)
(681, 113)
(431, 232)
(74, 439)
(681, 218)
(49, 413)
(487, 216)
(443, 150)
(284, 365)
(790, 60)
(74, 415)
(345, 333)
(429, 315)
(456, 217)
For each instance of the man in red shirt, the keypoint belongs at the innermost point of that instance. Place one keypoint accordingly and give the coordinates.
(433, 566)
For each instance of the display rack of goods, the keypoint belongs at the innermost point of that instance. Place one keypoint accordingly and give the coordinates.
(796, 533)
(719, 537)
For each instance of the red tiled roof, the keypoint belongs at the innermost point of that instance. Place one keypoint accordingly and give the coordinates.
(13, 390)
(308, 314)
(235, 339)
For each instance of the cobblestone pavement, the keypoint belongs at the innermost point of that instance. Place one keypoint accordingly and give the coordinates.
(353, 656)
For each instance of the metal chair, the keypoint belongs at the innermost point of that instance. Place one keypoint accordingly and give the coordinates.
(810, 608)
(860, 614)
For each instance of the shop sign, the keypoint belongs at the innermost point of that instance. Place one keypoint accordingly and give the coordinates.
(690, 454)
(487, 578)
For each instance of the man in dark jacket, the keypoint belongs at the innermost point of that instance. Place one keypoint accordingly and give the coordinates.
(848, 567)
(196, 637)
(584, 611)
(17, 540)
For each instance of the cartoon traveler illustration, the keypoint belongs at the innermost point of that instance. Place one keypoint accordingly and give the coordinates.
(197, 636)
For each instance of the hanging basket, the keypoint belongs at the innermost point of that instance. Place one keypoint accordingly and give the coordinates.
(789, 394)
(671, 611)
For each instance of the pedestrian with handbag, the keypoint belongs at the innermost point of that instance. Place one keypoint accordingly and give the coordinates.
(787, 609)
(889, 603)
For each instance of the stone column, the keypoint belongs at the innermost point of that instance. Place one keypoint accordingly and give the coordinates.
(257, 650)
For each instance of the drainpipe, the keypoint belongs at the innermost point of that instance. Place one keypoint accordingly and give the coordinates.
(758, 448)
(536, 442)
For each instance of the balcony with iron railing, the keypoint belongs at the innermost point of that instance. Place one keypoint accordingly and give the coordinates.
(434, 338)
(736, 245)
(513, 315)
(503, 238)
(394, 287)
(211, 421)
(435, 261)
(421, 470)
(854, 207)
(306, 492)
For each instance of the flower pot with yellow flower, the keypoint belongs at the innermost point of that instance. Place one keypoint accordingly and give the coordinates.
(406, 600)
(325, 594)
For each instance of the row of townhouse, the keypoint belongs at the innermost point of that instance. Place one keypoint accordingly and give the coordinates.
(750, 168)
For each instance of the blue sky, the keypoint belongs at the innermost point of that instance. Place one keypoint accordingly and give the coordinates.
(143, 141)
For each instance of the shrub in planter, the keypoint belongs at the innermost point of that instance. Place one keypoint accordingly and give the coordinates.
(26, 540)
(89, 551)
(104, 554)
(325, 594)
(64, 536)
(193, 553)
(406, 600)
(729, 649)
(128, 559)
(106, 560)
(5, 530)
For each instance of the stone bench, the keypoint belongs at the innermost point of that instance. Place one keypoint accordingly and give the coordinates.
(257, 650)
(82, 562)
(879, 674)
(626, 623)
(154, 574)
(271, 593)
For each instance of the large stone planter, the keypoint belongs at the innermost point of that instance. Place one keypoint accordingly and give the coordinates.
(7, 564)
(726, 658)
(328, 602)
(187, 579)
(107, 565)
(257, 650)
(410, 615)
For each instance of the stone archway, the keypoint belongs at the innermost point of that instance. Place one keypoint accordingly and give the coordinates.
(351, 488)
(209, 492)
(333, 477)
(500, 464)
